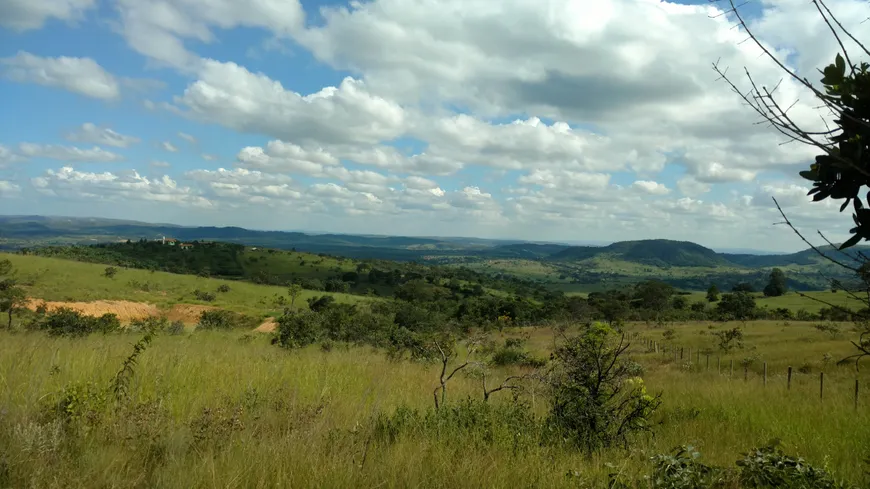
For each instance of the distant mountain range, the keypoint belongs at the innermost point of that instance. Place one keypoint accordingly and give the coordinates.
(27, 231)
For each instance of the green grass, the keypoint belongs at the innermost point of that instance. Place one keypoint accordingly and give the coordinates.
(812, 301)
(54, 279)
(794, 301)
(303, 418)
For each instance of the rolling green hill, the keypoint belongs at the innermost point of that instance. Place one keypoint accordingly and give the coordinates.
(655, 252)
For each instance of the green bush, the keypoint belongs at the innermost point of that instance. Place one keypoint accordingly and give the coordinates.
(204, 296)
(598, 399)
(512, 353)
(682, 470)
(298, 329)
(175, 328)
(151, 323)
(769, 468)
(219, 319)
(67, 322)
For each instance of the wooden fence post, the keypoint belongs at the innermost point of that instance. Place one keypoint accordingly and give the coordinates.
(746, 371)
(788, 384)
(856, 393)
(657, 347)
(681, 353)
(821, 385)
(708, 361)
(765, 374)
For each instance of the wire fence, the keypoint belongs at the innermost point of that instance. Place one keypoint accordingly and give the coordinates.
(706, 361)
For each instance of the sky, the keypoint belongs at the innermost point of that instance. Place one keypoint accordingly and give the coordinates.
(545, 120)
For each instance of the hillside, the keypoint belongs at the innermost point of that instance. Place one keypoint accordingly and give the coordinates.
(54, 279)
(654, 252)
(583, 268)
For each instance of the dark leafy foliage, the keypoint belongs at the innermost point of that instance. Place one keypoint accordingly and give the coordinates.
(219, 319)
(67, 322)
(768, 467)
(845, 167)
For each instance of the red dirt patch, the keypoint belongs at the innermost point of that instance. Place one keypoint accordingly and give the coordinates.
(125, 310)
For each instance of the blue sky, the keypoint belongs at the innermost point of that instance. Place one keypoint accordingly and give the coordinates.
(417, 136)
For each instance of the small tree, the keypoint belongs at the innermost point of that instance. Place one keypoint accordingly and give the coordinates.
(743, 287)
(293, 291)
(598, 397)
(110, 272)
(730, 339)
(777, 285)
(12, 299)
(713, 293)
(299, 329)
(737, 305)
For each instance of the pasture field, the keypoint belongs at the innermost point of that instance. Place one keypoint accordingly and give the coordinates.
(53, 279)
(212, 409)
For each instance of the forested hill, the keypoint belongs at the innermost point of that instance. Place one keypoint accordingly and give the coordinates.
(668, 253)
(654, 252)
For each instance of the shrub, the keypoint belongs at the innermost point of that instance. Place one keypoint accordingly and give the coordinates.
(769, 468)
(175, 328)
(318, 304)
(204, 296)
(299, 329)
(143, 286)
(67, 322)
(597, 401)
(220, 319)
(151, 323)
(682, 470)
(110, 272)
(830, 328)
(223, 288)
(730, 339)
(82, 402)
(737, 305)
(512, 353)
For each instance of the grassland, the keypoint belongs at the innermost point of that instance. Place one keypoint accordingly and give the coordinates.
(53, 279)
(229, 409)
(215, 411)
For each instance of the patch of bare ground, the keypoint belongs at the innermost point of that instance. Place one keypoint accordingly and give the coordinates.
(267, 327)
(125, 310)
(187, 313)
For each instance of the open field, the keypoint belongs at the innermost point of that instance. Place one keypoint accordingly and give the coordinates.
(53, 279)
(230, 409)
(213, 410)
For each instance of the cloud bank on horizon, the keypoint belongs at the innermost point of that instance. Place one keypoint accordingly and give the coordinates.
(541, 120)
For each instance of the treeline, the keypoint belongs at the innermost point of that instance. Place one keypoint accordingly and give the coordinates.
(228, 260)
(205, 258)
